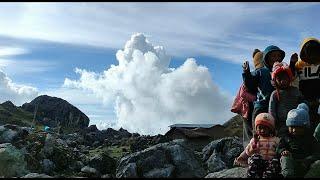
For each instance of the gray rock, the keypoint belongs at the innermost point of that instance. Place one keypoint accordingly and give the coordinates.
(11, 161)
(185, 162)
(7, 135)
(36, 175)
(166, 172)
(49, 145)
(76, 166)
(103, 163)
(156, 159)
(48, 166)
(314, 171)
(106, 176)
(128, 171)
(238, 172)
(227, 149)
(91, 172)
(214, 163)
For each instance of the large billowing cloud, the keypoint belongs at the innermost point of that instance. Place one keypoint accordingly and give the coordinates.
(148, 96)
(18, 94)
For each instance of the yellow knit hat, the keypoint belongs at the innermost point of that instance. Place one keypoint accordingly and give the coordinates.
(257, 60)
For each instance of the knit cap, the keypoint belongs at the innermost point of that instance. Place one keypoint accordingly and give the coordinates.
(299, 116)
(279, 67)
(265, 119)
(257, 59)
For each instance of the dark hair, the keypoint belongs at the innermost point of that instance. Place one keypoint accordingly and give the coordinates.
(310, 48)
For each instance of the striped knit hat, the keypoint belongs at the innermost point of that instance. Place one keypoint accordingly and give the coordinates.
(265, 119)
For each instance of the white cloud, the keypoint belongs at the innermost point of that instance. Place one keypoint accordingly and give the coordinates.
(10, 51)
(16, 93)
(22, 67)
(148, 96)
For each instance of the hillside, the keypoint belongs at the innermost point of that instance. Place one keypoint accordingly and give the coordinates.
(10, 114)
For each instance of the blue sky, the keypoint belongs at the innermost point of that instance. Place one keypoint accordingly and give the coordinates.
(42, 45)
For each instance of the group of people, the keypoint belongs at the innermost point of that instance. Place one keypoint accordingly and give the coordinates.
(279, 104)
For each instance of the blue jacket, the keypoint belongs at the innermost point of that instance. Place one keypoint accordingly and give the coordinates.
(260, 79)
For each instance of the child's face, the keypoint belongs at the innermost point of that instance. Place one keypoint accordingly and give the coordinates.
(274, 56)
(296, 130)
(263, 131)
(282, 80)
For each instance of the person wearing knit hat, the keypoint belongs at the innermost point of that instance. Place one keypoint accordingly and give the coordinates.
(310, 51)
(248, 121)
(263, 143)
(285, 96)
(307, 74)
(260, 79)
(299, 148)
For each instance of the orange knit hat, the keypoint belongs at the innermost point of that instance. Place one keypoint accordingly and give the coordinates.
(265, 119)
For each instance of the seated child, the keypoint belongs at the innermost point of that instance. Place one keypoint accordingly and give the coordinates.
(298, 149)
(261, 151)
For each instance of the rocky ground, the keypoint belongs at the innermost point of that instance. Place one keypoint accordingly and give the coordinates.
(81, 151)
(115, 154)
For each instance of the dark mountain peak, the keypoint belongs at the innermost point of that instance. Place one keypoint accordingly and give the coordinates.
(53, 111)
(8, 104)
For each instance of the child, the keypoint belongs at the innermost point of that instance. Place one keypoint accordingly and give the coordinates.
(261, 77)
(243, 103)
(284, 98)
(308, 76)
(261, 150)
(298, 149)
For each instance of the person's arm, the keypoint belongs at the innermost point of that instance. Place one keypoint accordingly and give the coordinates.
(293, 61)
(273, 107)
(241, 160)
(249, 79)
(283, 146)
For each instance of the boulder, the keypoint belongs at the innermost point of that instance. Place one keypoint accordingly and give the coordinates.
(127, 171)
(220, 154)
(10, 133)
(90, 172)
(238, 172)
(314, 171)
(47, 166)
(36, 175)
(215, 163)
(103, 163)
(11, 161)
(7, 135)
(58, 152)
(166, 172)
(171, 159)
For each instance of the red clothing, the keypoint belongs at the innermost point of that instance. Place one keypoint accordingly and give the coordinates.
(241, 102)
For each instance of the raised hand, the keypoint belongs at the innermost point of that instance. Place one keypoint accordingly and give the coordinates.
(293, 58)
(245, 66)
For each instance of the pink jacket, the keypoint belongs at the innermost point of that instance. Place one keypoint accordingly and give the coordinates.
(241, 102)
